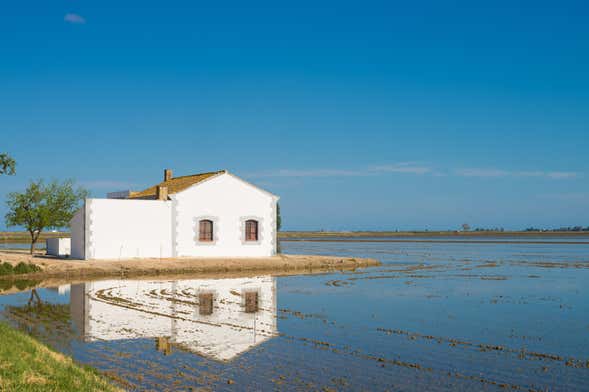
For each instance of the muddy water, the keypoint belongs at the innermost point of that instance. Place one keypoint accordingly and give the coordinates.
(434, 316)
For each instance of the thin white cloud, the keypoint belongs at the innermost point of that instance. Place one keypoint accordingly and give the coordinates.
(107, 184)
(74, 18)
(498, 173)
(481, 173)
(562, 175)
(414, 168)
(309, 173)
(403, 167)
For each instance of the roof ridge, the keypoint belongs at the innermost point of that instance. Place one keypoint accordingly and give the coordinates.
(175, 184)
(196, 174)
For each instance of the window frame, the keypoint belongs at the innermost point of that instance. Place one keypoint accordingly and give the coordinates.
(206, 309)
(204, 231)
(243, 230)
(248, 306)
(248, 230)
(214, 230)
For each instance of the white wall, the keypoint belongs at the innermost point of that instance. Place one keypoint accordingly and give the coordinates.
(227, 201)
(117, 229)
(128, 228)
(58, 246)
(223, 335)
(77, 231)
(229, 331)
(106, 320)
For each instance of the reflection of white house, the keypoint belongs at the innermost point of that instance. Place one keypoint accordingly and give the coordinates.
(217, 318)
(211, 214)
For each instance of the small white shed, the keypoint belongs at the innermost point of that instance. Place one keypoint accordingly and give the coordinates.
(58, 246)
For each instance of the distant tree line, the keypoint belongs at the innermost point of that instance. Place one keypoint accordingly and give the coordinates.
(466, 227)
(570, 228)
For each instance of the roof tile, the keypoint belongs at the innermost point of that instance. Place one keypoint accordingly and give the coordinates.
(175, 185)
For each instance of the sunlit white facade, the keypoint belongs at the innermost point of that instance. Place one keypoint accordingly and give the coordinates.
(239, 220)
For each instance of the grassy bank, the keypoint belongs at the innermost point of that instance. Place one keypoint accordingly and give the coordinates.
(27, 365)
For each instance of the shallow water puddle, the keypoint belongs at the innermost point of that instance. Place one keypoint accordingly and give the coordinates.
(433, 316)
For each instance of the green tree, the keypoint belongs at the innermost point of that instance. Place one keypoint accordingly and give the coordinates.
(7, 164)
(278, 218)
(42, 206)
(278, 226)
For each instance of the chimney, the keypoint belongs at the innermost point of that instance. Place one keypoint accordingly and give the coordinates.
(161, 192)
(167, 174)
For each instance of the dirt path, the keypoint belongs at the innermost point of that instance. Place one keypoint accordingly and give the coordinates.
(65, 268)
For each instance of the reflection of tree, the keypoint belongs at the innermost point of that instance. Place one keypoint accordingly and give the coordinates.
(33, 296)
(19, 284)
(43, 320)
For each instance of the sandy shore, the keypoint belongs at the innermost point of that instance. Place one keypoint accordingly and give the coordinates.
(276, 265)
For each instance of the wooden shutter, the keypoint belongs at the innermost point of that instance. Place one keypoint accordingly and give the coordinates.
(251, 230)
(205, 230)
(251, 301)
(205, 304)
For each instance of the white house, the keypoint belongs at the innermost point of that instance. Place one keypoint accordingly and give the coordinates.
(214, 214)
(216, 318)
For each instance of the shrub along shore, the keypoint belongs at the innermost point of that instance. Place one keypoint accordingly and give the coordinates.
(19, 269)
(27, 365)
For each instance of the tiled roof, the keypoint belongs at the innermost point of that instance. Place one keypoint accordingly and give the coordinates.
(174, 185)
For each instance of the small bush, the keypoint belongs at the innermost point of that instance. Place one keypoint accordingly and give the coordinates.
(25, 268)
(20, 268)
(5, 284)
(6, 269)
(26, 284)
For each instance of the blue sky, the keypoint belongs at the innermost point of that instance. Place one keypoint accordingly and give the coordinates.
(360, 115)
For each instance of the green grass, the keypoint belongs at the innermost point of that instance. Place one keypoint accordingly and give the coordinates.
(19, 269)
(27, 365)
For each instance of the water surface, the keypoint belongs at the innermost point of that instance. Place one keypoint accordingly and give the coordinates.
(441, 316)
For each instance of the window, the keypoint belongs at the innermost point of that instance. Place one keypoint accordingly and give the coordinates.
(251, 301)
(163, 344)
(205, 304)
(205, 230)
(251, 230)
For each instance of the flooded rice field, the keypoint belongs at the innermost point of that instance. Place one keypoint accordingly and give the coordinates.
(18, 245)
(434, 316)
